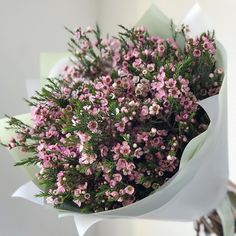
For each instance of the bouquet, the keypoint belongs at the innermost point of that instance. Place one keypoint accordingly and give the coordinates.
(126, 125)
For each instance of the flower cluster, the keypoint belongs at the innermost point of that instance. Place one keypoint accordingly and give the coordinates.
(112, 128)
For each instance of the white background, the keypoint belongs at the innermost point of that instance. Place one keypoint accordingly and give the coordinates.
(29, 27)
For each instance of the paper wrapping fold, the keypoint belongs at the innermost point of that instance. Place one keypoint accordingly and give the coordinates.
(200, 184)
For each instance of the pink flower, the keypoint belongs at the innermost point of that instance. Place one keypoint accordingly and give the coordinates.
(174, 92)
(128, 168)
(138, 152)
(196, 41)
(78, 33)
(59, 176)
(156, 142)
(116, 156)
(161, 76)
(83, 137)
(137, 176)
(172, 43)
(125, 148)
(94, 111)
(112, 183)
(39, 115)
(102, 128)
(183, 81)
(50, 133)
(186, 102)
(87, 158)
(122, 192)
(144, 111)
(142, 137)
(120, 126)
(85, 45)
(98, 85)
(161, 49)
(79, 147)
(129, 190)
(160, 94)
(157, 85)
(12, 144)
(126, 57)
(171, 83)
(114, 194)
(107, 177)
(104, 151)
(125, 82)
(50, 200)
(121, 164)
(106, 79)
(197, 53)
(154, 109)
(116, 148)
(66, 91)
(93, 126)
(117, 177)
(185, 89)
(137, 62)
(151, 67)
(60, 189)
(88, 171)
(80, 188)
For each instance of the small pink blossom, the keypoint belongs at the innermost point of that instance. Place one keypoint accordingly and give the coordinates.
(87, 158)
(197, 53)
(78, 33)
(66, 91)
(142, 137)
(50, 200)
(114, 194)
(151, 67)
(129, 190)
(154, 109)
(12, 144)
(138, 152)
(137, 62)
(174, 92)
(125, 148)
(104, 151)
(160, 94)
(83, 137)
(98, 85)
(161, 49)
(93, 126)
(120, 126)
(112, 183)
(157, 85)
(117, 177)
(106, 79)
(144, 111)
(129, 168)
(172, 43)
(170, 83)
(61, 189)
(116, 148)
(88, 171)
(121, 164)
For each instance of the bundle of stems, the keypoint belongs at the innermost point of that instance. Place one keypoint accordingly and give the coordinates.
(212, 224)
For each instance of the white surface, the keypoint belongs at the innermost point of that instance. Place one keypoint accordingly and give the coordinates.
(29, 27)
